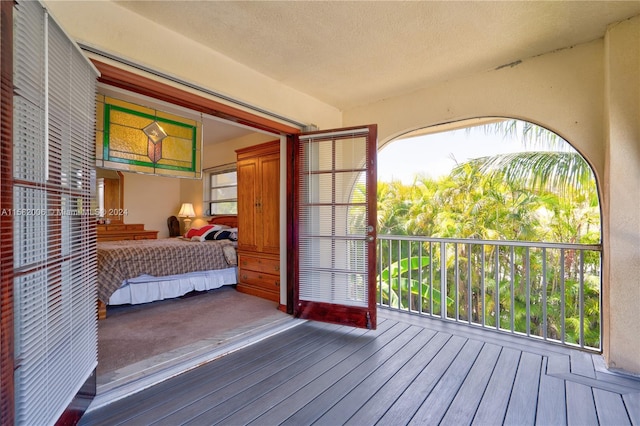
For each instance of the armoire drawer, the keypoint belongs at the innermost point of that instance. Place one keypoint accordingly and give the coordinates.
(259, 279)
(260, 264)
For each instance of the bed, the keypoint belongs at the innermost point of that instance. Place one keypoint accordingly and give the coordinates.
(142, 271)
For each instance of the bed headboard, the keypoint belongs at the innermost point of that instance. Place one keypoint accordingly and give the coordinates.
(229, 220)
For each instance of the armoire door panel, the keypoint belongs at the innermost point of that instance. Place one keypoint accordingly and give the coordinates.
(270, 204)
(247, 196)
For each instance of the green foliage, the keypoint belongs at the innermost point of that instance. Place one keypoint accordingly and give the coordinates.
(394, 281)
(535, 197)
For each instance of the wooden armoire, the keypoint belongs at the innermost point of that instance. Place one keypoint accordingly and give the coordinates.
(258, 220)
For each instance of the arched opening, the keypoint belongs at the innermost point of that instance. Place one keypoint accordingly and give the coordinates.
(493, 222)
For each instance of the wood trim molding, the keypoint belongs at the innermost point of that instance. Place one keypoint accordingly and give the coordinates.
(128, 80)
(7, 385)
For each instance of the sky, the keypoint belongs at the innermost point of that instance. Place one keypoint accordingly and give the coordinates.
(431, 154)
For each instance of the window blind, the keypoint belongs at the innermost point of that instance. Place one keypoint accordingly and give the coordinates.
(221, 190)
(54, 230)
(332, 218)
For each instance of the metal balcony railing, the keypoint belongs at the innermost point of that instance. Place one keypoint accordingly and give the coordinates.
(546, 291)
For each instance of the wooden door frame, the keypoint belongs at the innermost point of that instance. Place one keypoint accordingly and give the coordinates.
(121, 78)
(113, 76)
(7, 384)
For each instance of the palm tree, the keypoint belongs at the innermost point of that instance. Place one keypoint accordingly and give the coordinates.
(544, 195)
(564, 173)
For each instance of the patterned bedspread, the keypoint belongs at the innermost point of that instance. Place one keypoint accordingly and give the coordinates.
(120, 260)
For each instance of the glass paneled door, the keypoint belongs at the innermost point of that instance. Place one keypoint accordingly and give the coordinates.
(335, 222)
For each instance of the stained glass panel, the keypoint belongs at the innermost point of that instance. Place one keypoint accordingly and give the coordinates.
(134, 138)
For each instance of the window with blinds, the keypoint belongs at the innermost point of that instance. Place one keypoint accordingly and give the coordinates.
(221, 190)
(53, 226)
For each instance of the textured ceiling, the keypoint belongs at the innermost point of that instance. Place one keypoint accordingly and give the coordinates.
(353, 53)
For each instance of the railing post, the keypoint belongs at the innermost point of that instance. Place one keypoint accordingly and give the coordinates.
(379, 271)
(431, 279)
(443, 280)
(497, 295)
(512, 268)
(455, 283)
(482, 289)
(409, 268)
(562, 296)
(420, 278)
(544, 293)
(399, 279)
(527, 282)
(469, 288)
(581, 302)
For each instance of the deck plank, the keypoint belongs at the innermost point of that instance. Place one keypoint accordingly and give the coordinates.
(580, 405)
(436, 404)
(358, 372)
(214, 406)
(408, 403)
(360, 394)
(243, 360)
(260, 405)
(558, 365)
(582, 364)
(306, 392)
(245, 395)
(184, 402)
(524, 395)
(632, 404)
(466, 400)
(495, 399)
(410, 368)
(255, 402)
(370, 412)
(610, 408)
(552, 407)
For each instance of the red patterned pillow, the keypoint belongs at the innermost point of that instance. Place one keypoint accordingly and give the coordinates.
(200, 232)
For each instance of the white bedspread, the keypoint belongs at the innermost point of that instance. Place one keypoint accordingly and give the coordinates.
(146, 288)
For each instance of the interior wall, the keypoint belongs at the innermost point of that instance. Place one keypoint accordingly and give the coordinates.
(213, 155)
(151, 200)
(563, 91)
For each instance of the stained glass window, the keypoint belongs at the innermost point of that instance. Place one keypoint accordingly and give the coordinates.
(134, 138)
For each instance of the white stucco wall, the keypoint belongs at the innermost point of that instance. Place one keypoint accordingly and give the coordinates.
(590, 95)
(622, 197)
(563, 91)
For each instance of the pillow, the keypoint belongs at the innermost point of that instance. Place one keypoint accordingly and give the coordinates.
(230, 255)
(200, 233)
(222, 234)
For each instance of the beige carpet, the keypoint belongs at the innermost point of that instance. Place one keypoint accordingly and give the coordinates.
(131, 336)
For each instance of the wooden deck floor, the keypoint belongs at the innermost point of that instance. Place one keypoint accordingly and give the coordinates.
(411, 370)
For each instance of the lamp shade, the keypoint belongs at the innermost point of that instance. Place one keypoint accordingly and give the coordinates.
(187, 210)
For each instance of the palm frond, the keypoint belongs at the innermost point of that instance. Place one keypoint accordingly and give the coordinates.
(563, 173)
